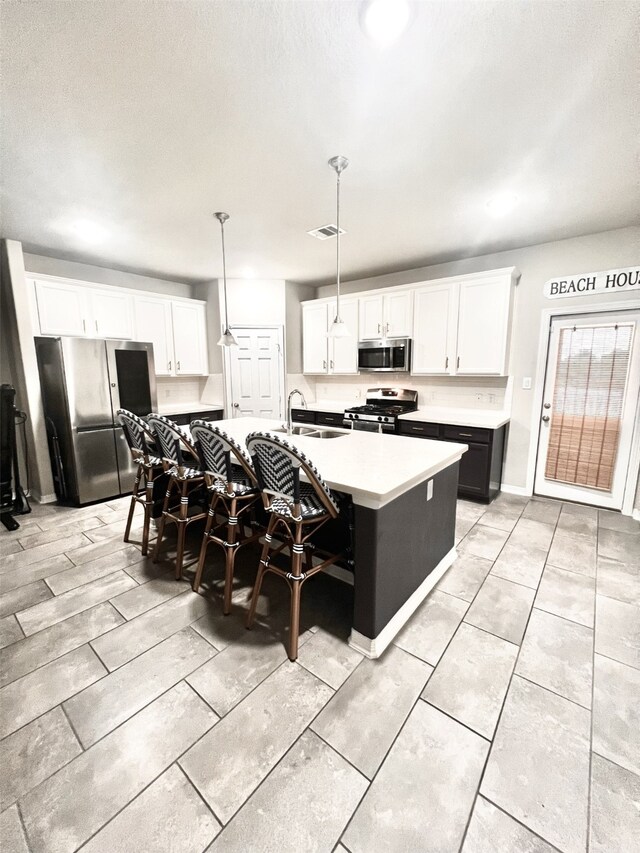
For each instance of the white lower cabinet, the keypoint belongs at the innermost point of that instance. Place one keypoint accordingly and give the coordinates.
(321, 354)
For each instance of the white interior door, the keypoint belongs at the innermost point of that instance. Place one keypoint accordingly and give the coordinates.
(256, 372)
(589, 408)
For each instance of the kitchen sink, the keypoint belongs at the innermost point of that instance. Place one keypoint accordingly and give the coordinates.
(327, 433)
(310, 432)
(296, 430)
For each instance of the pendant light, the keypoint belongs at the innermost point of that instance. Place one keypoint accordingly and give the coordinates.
(227, 339)
(338, 328)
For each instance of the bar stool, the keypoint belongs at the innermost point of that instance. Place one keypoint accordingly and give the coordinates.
(149, 467)
(234, 491)
(297, 510)
(186, 482)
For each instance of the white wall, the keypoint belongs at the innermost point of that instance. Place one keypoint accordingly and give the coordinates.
(591, 253)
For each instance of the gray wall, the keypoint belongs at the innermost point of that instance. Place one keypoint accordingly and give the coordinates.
(101, 275)
(294, 295)
(591, 253)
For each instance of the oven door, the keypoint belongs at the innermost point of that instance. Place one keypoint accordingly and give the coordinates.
(372, 426)
(383, 355)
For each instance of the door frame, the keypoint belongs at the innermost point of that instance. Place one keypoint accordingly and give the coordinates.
(547, 316)
(226, 365)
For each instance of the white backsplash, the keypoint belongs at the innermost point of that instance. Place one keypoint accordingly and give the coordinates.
(213, 391)
(456, 392)
(180, 389)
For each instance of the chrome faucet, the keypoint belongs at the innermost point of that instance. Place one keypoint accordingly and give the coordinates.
(289, 424)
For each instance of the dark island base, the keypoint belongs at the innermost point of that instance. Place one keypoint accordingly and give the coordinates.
(401, 551)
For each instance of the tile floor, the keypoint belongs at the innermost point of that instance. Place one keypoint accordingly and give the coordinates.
(505, 718)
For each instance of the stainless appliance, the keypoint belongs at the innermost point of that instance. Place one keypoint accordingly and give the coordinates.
(385, 354)
(84, 382)
(382, 409)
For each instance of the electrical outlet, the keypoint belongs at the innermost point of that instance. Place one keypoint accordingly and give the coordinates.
(479, 397)
(492, 398)
(358, 394)
(526, 383)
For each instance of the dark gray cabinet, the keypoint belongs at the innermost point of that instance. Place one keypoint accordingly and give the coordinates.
(305, 416)
(480, 474)
(185, 418)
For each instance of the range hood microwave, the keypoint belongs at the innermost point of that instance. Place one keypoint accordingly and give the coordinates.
(390, 355)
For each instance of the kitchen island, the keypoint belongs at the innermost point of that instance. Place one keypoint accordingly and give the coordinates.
(404, 495)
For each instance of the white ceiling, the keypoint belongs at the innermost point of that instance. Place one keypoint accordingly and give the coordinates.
(144, 117)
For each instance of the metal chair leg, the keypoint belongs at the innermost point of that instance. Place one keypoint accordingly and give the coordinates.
(261, 573)
(132, 505)
(182, 529)
(163, 519)
(205, 544)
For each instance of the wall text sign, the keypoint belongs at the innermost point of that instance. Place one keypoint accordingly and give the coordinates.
(610, 281)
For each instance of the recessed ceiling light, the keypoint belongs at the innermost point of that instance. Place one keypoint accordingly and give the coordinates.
(502, 203)
(384, 21)
(88, 231)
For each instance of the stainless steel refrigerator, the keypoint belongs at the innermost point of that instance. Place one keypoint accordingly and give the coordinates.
(84, 382)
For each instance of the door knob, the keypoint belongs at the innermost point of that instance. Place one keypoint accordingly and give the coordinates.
(236, 405)
(546, 418)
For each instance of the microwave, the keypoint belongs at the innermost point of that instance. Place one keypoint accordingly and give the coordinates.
(390, 355)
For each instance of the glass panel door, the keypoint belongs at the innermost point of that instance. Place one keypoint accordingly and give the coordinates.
(590, 398)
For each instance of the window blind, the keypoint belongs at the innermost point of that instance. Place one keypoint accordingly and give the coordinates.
(588, 401)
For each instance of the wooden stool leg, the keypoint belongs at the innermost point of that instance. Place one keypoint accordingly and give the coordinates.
(132, 505)
(296, 585)
(205, 544)
(261, 572)
(148, 505)
(163, 518)
(182, 529)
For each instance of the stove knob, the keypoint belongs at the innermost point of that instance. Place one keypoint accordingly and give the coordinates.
(380, 417)
(356, 416)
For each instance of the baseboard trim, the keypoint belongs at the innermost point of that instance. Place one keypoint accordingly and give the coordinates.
(373, 648)
(636, 514)
(515, 490)
(44, 499)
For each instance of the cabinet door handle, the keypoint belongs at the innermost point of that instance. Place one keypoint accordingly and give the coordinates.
(96, 325)
(387, 329)
(324, 364)
(446, 363)
(379, 328)
(177, 365)
(84, 326)
(458, 362)
(465, 434)
(169, 367)
(331, 364)
(416, 429)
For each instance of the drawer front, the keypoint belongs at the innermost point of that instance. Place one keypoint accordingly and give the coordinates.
(181, 420)
(303, 416)
(207, 415)
(418, 428)
(329, 418)
(467, 434)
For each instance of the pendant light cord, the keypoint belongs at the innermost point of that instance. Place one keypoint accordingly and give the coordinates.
(224, 281)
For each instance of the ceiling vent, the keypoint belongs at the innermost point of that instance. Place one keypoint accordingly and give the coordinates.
(325, 232)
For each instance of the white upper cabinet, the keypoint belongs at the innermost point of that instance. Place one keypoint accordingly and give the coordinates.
(343, 352)
(385, 315)
(461, 325)
(435, 326)
(177, 328)
(189, 338)
(321, 354)
(110, 314)
(61, 308)
(483, 325)
(153, 324)
(315, 347)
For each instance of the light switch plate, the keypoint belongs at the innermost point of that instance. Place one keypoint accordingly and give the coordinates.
(526, 383)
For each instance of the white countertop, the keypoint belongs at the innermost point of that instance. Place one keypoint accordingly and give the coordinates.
(373, 468)
(333, 406)
(481, 418)
(185, 408)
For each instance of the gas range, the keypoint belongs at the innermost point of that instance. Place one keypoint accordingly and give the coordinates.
(381, 410)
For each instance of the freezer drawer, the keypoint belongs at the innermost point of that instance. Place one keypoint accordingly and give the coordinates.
(96, 465)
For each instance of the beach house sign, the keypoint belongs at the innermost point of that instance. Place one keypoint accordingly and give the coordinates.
(610, 281)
